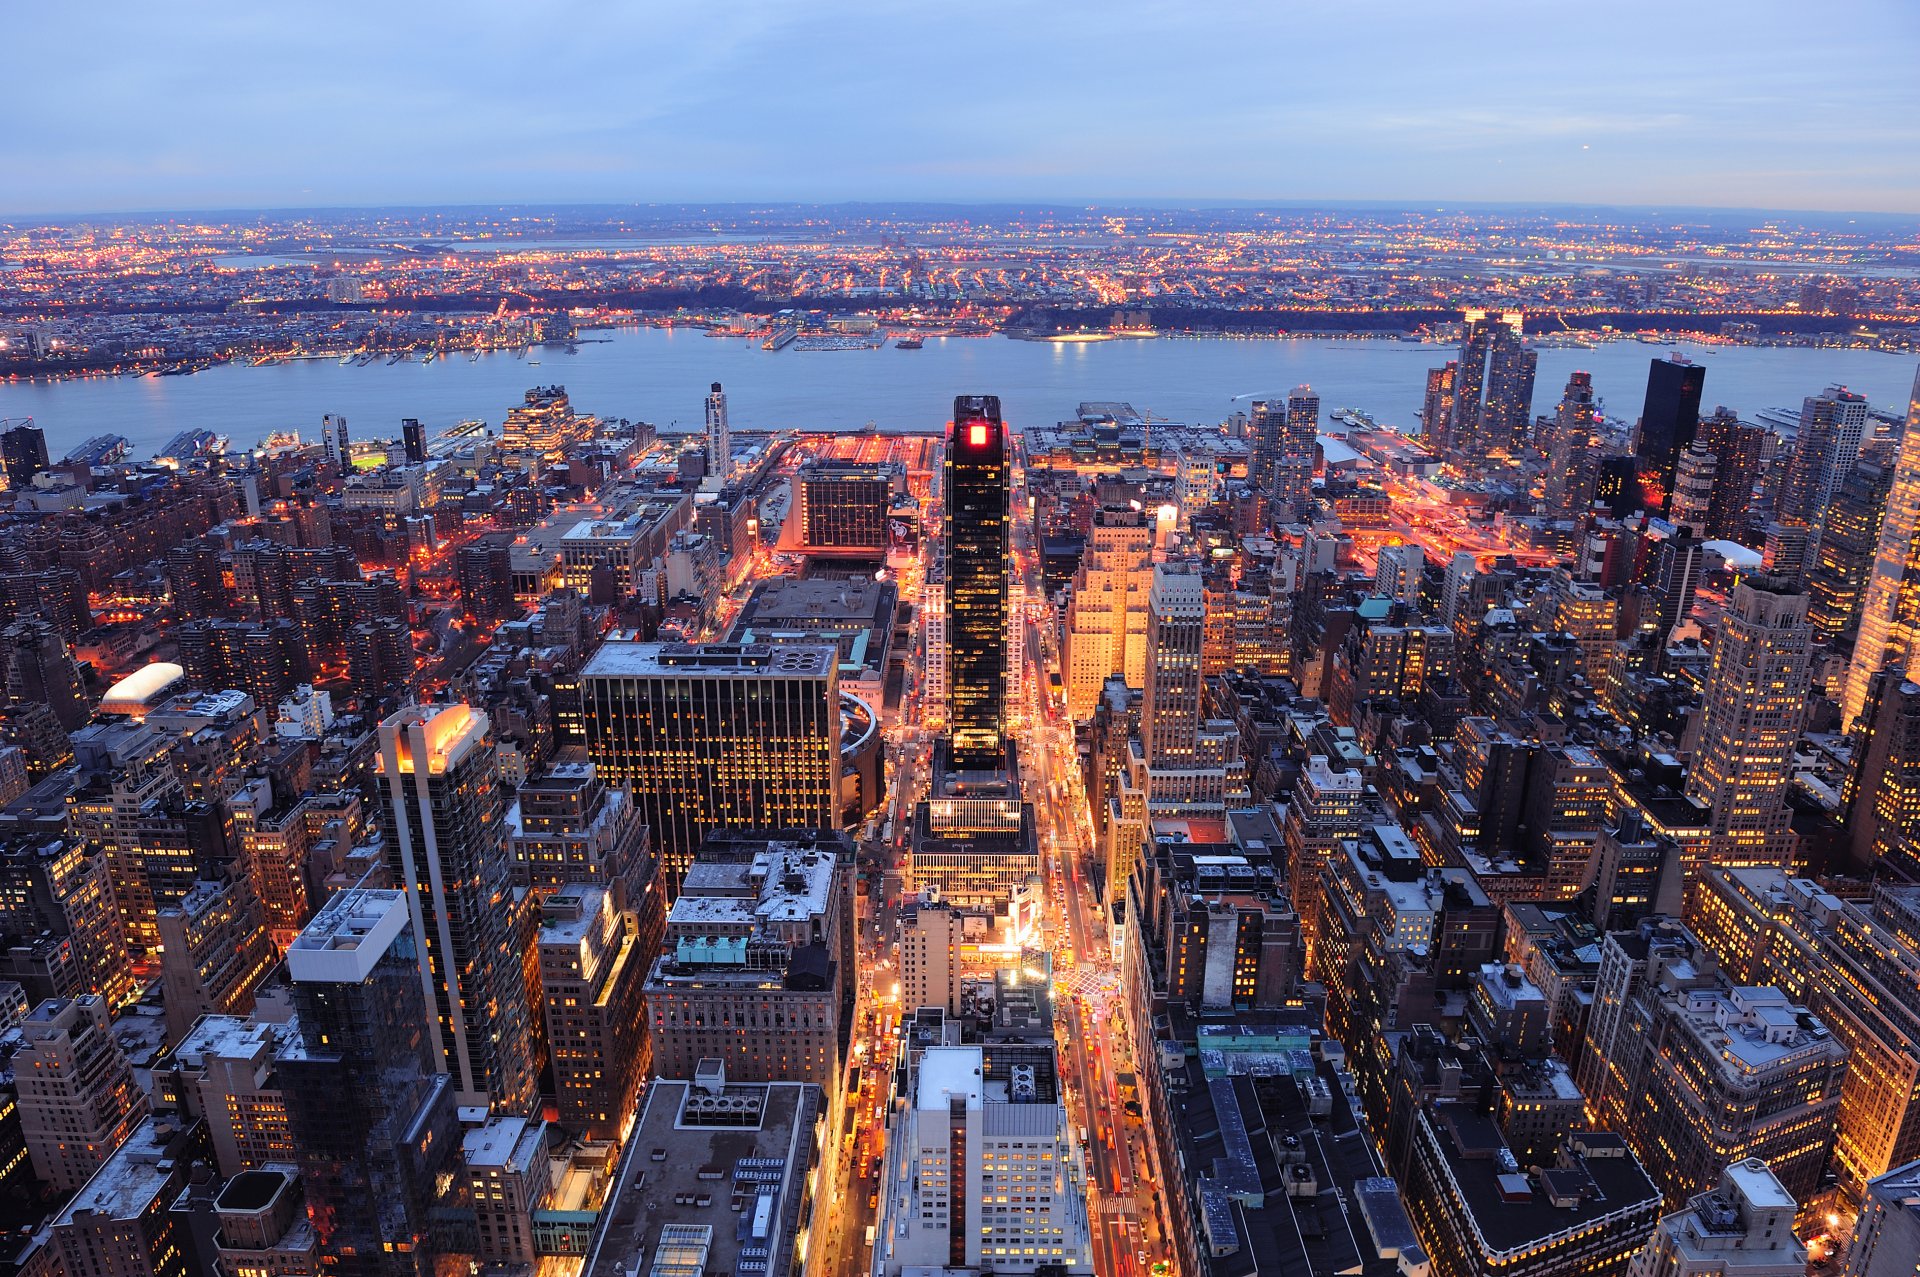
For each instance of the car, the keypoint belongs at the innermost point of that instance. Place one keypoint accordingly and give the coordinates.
(873, 1201)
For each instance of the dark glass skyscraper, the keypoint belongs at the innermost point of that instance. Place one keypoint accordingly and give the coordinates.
(977, 549)
(1668, 422)
(372, 1119)
(23, 447)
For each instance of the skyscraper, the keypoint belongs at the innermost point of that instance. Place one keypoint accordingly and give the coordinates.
(1436, 409)
(977, 550)
(23, 447)
(719, 446)
(447, 849)
(1848, 544)
(1293, 467)
(1570, 469)
(1267, 423)
(1755, 704)
(413, 438)
(1691, 505)
(372, 1117)
(1737, 449)
(716, 735)
(1669, 420)
(333, 440)
(1170, 714)
(1890, 602)
(1493, 390)
(1832, 425)
(1106, 630)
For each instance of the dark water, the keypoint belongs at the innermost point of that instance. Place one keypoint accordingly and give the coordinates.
(661, 376)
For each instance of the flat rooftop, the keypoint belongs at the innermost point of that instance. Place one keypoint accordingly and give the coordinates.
(626, 658)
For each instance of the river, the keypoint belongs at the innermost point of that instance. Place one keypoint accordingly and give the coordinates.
(661, 375)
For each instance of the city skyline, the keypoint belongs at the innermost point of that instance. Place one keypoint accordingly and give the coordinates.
(761, 103)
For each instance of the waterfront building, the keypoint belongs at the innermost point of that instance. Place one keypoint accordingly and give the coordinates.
(1436, 411)
(369, 1110)
(1292, 490)
(1493, 390)
(842, 505)
(1669, 421)
(1890, 601)
(1754, 706)
(716, 736)
(719, 444)
(1742, 1227)
(447, 850)
(543, 423)
(23, 450)
(977, 558)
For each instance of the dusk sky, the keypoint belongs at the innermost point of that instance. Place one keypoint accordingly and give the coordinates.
(1744, 103)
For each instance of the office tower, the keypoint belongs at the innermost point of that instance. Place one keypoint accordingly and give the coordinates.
(1293, 464)
(447, 850)
(1832, 425)
(1755, 704)
(1786, 550)
(23, 449)
(843, 505)
(974, 841)
(1678, 566)
(716, 736)
(757, 968)
(413, 439)
(1170, 715)
(593, 967)
(543, 422)
(77, 1094)
(984, 1123)
(1742, 1227)
(121, 1224)
(1884, 818)
(1737, 450)
(1886, 1237)
(977, 559)
(1493, 390)
(1106, 623)
(1570, 469)
(58, 915)
(1848, 544)
(1267, 424)
(369, 1111)
(1477, 1210)
(1691, 509)
(719, 444)
(1856, 964)
(1890, 601)
(1436, 409)
(1396, 573)
(934, 649)
(1616, 486)
(40, 670)
(929, 942)
(1669, 420)
(214, 952)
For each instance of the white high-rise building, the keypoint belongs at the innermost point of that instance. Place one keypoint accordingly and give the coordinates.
(1396, 572)
(719, 446)
(982, 1172)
